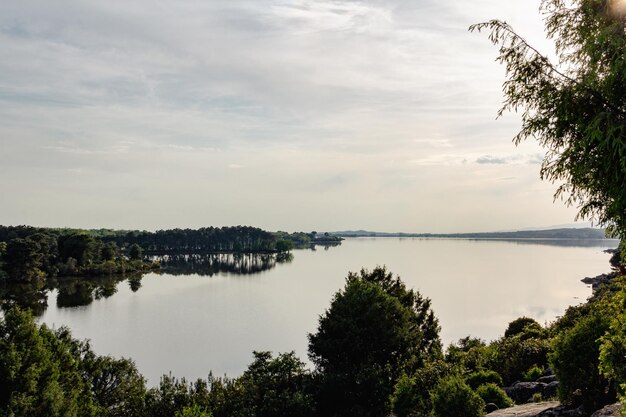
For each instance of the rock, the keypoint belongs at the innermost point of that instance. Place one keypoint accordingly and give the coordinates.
(551, 390)
(561, 411)
(491, 407)
(526, 410)
(521, 392)
(547, 372)
(612, 410)
(597, 280)
(547, 379)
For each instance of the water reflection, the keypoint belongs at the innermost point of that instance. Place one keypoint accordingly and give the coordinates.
(211, 264)
(82, 291)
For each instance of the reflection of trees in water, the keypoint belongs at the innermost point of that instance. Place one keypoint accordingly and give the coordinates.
(214, 263)
(71, 292)
(82, 291)
(32, 296)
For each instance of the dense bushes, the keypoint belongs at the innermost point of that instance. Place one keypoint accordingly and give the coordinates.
(454, 398)
(492, 393)
(575, 360)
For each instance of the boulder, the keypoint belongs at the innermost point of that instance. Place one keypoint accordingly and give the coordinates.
(491, 407)
(551, 390)
(521, 392)
(612, 410)
(547, 379)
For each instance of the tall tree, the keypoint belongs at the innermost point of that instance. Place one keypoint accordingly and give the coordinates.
(374, 330)
(575, 106)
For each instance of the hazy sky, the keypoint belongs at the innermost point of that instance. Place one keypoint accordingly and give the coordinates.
(290, 115)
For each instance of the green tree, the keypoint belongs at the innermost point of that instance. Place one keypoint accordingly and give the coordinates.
(81, 246)
(23, 260)
(135, 252)
(39, 374)
(574, 106)
(284, 245)
(374, 330)
(117, 386)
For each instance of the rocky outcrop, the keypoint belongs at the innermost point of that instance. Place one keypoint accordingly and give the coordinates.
(597, 281)
(522, 392)
(526, 410)
(612, 410)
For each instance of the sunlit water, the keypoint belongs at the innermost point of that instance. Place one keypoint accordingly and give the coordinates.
(191, 324)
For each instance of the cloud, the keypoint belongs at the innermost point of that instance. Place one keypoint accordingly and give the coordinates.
(362, 102)
(517, 159)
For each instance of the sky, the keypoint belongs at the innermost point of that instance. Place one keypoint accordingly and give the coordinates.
(285, 115)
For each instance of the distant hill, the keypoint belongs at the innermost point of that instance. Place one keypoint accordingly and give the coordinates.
(565, 233)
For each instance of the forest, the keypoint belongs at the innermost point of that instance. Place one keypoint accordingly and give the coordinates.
(31, 254)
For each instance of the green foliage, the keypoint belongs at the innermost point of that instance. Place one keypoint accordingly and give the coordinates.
(193, 411)
(476, 379)
(523, 325)
(275, 387)
(374, 330)
(23, 260)
(492, 393)
(613, 344)
(471, 354)
(575, 360)
(39, 376)
(454, 398)
(533, 373)
(412, 394)
(81, 246)
(515, 355)
(574, 107)
(284, 245)
(118, 388)
(135, 252)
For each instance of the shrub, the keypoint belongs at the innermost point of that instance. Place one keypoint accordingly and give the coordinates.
(515, 355)
(575, 361)
(491, 393)
(411, 396)
(519, 325)
(479, 378)
(533, 373)
(454, 398)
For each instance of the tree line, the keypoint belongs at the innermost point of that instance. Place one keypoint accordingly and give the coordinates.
(29, 254)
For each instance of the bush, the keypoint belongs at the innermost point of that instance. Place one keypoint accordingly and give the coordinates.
(575, 361)
(470, 353)
(533, 373)
(411, 396)
(454, 398)
(613, 348)
(515, 355)
(519, 325)
(479, 378)
(491, 393)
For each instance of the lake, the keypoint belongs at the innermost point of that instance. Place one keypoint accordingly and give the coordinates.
(213, 318)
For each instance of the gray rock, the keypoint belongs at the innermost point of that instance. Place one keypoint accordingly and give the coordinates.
(547, 372)
(612, 410)
(551, 390)
(521, 392)
(561, 411)
(491, 407)
(547, 379)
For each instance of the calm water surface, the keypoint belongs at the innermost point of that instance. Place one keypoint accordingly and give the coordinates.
(191, 324)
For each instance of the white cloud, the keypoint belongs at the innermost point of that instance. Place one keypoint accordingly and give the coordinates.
(383, 108)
